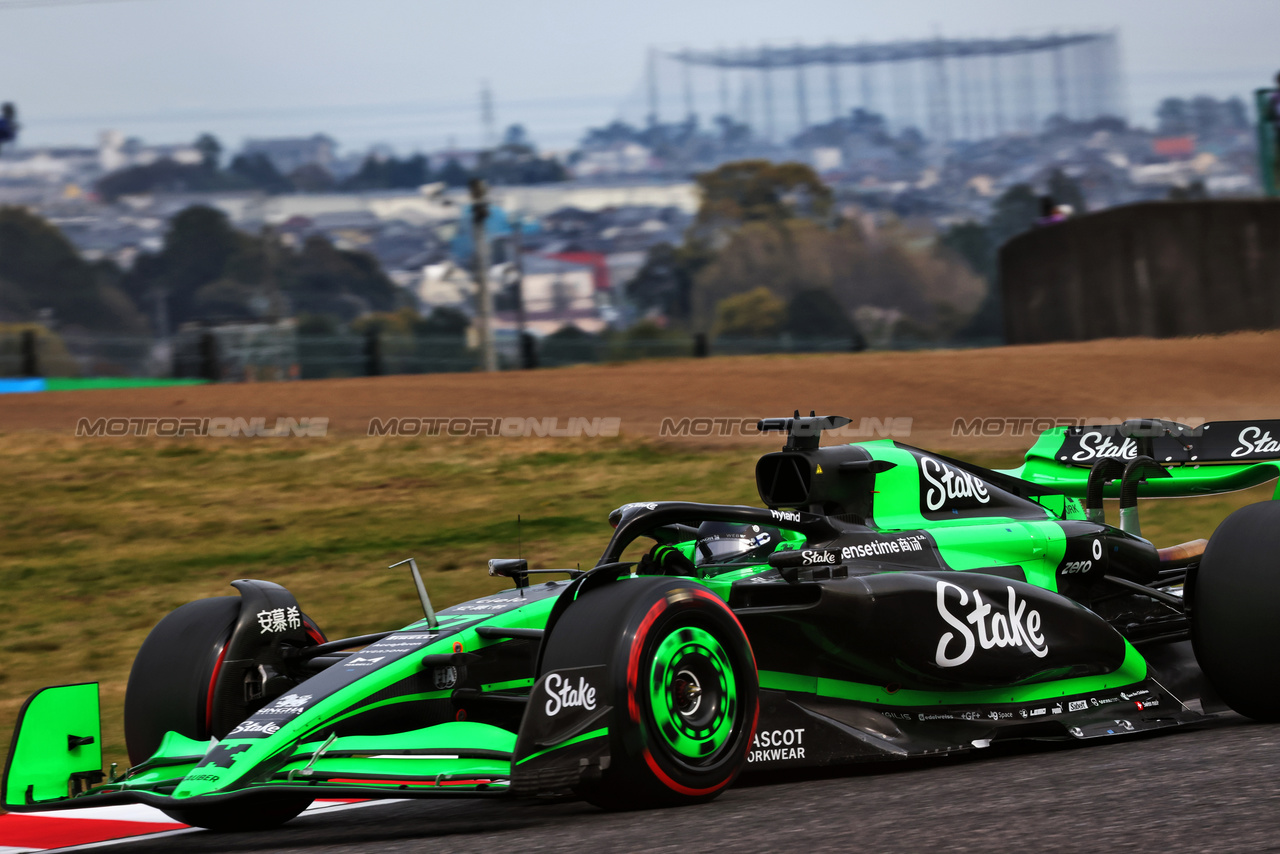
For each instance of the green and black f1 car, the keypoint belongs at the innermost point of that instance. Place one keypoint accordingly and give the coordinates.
(885, 603)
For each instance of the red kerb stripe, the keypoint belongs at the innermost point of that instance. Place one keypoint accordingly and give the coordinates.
(31, 831)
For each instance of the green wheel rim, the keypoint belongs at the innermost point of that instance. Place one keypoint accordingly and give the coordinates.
(692, 694)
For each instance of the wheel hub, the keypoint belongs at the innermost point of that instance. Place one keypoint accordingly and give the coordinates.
(686, 691)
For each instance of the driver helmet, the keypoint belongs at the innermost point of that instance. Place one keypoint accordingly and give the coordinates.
(727, 542)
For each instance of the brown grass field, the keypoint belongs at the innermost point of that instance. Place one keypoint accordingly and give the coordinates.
(100, 537)
(1221, 377)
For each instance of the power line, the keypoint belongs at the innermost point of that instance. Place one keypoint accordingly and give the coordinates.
(42, 4)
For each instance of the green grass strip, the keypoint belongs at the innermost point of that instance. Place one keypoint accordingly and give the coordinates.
(77, 384)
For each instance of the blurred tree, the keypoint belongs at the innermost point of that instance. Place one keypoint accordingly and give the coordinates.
(1205, 115)
(443, 322)
(517, 137)
(229, 300)
(453, 174)
(897, 271)
(665, 282)
(198, 250)
(317, 325)
(1014, 212)
(757, 313)
(516, 161)
(760, 190)
(1193, 192)
(311, 178)
(210, 152)
(733, 134)
(399, 322)
(1173, 117)
(325, 280)
(869, 126)
(1234, 114)
(972, 242)
(1064, 190)
(387, 173)
(569, 332)
(40, 269)
(815, 313)
(258, 171)
(615, 132)
(162, 176)
(207, 270)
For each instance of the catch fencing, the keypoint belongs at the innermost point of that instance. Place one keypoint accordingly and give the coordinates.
(253, 353)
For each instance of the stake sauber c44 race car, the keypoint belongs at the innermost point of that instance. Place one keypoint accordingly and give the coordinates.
(885, 603)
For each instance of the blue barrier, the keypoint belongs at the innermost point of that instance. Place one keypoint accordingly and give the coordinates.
(23, 384)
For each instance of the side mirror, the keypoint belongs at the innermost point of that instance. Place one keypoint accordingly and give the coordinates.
(517, 569)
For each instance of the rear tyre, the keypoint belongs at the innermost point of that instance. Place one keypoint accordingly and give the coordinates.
(1234, 601)
(684, 686)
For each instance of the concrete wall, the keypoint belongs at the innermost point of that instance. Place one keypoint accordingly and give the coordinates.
(1155, 269)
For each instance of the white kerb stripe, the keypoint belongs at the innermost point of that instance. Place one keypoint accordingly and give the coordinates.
(123, 812)
(318, 806)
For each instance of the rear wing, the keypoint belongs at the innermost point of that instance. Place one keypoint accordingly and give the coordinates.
(1218, 456)
(1165, 442)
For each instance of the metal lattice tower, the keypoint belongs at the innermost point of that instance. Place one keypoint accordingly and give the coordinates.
(968, 88)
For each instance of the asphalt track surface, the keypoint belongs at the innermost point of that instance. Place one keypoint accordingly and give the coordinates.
(1214, 787)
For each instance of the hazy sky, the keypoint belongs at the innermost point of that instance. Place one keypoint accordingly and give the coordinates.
(408, 72)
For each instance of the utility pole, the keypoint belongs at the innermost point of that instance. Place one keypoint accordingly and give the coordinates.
(528, 352)
(486, 115)
(8, 123)
(479, 214)
(653, 87)
(517, 264)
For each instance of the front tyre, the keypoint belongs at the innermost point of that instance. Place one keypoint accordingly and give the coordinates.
(684, 686)
(171, 683)
(1234, 601)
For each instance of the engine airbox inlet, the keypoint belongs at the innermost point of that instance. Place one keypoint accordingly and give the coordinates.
(839, 479)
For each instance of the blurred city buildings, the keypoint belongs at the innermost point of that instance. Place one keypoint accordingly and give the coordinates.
(929, 132)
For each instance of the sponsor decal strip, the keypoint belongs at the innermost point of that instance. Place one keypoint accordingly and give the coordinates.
(777, 745)
(1132, 670)
(878, 548)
